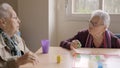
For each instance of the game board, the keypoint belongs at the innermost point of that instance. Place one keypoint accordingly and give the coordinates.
(82, 60)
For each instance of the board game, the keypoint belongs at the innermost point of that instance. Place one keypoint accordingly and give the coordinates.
(81, 60)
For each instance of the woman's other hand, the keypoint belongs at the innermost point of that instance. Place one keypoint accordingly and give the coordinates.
(75, 44)
(28, 57)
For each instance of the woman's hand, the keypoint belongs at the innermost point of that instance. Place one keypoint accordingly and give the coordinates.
(27, 58)
(75, 44)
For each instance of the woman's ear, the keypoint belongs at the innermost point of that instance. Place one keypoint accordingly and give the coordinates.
(105, 27)
(2, 23)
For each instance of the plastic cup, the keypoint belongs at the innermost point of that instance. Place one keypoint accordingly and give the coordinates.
(45, 46)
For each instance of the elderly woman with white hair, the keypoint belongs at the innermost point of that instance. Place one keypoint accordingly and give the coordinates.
(96, 36)
(13, 51)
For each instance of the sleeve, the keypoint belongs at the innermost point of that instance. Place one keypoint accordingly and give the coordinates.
(115, 42)
(118, 43)
(66, 43)
(8, 62)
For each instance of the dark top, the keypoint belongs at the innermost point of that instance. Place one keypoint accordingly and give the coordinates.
(82, 37)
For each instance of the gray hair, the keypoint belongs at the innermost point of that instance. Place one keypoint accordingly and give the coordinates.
(103, 15)
(5, 10)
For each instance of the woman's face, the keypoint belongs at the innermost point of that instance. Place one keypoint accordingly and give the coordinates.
(12, 23)
(96, 26)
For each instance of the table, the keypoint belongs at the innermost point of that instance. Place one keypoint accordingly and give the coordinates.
(49, 60)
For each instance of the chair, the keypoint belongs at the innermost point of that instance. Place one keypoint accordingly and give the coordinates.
(117, 35)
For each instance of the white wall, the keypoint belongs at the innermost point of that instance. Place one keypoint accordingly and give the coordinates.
(68, 28)
(34, 17)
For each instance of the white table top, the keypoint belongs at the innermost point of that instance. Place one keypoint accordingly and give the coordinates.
(50, 60)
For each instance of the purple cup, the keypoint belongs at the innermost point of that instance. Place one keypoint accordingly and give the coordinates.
(45, 46)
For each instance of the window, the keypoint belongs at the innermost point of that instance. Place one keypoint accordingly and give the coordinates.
(83, 8)
(112, 6)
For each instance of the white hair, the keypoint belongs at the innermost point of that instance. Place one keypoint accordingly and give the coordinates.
(5, 10)
(103, 15)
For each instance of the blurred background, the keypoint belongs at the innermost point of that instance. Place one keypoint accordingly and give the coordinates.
(58, 20)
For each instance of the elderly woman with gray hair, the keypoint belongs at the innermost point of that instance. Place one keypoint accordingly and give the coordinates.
(96, 36)
(13, 51)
